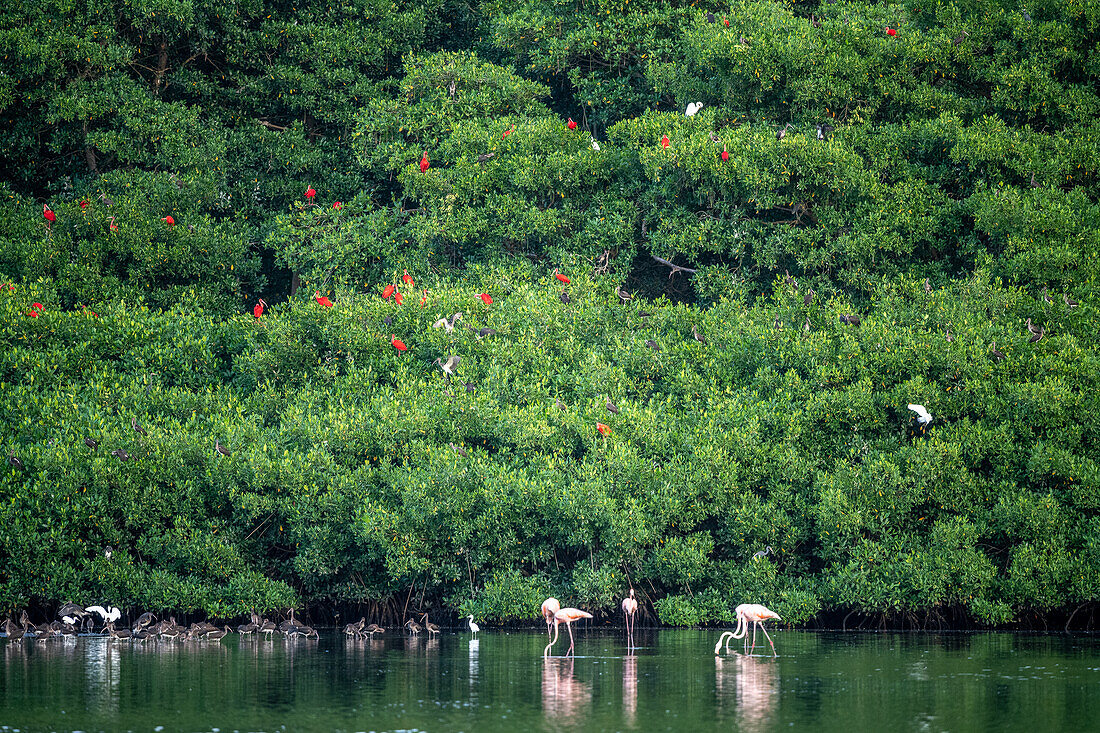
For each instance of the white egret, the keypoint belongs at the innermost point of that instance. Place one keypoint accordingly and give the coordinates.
(692, 108)
(923, 416)
(473, 627)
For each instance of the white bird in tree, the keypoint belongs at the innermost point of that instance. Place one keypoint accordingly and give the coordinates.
(595, 145)
(923, 416)
(448, 323)
(692, 108)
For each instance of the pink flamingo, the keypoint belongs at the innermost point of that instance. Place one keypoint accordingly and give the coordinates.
(630, 607)
(549, 607)
(567, 616)
(758, 614)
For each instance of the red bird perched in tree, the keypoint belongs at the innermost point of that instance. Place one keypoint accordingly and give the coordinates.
(486, 299)
(37, 306)
(398, 343)
(387, 292)
(114, 227)
(424, 163)
(604, 430)
(561, 277)
(424, 300)
(407, 279)
(48, 213)
(83, 205)
(259, 309)
(310, 193)
(338, 205)
(398, 298)
(322, 299)
(664, 141)
(891, 32)
(170, 221)
(509, 131)
(725, 155)
(32, 313)
(571, 124)
(726, 21)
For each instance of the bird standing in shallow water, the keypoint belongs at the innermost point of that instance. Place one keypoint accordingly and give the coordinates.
(630, 607)
(549, 607)
(757, 614)
(567, 616)
(473, 627)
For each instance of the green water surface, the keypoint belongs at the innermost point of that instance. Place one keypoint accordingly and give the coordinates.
(501, 682)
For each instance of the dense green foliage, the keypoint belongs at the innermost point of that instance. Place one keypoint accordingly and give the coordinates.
(953, 183)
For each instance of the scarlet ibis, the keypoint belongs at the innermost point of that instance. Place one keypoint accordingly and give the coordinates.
(407, 279)
(725, 155)
(664, 141)
(398, 298)
(398, 343)
(388, 291)
(726, 21)
(114, 227)
(424, 163)
(572, 126)
(48, 213)
(169, 220)
(424, 299)
(310, 193)
(259, 309)
(891, 32)
(561, 277)
(509, 131)
(923, 416)
(692, 108)
(37, 306)
(83, 205)
(604, 429)
(32, 313)
(322, 299)
(486, 299)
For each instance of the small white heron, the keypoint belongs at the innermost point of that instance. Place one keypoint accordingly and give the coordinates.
(692, 108)
(923, 416)
(473, 627)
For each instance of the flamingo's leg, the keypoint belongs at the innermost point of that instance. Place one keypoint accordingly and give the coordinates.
(762, 628)
(754, 625)
(570, 628)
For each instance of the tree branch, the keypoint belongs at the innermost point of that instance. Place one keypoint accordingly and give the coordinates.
(675, 268)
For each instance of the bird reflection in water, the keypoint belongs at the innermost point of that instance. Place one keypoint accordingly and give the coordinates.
(565, 699)
(753, 683)
(630, 687)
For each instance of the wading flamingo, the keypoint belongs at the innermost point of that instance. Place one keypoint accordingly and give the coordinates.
(567, 616)
(630, 607)
(726, 636)
(758, 614)
(549, 607)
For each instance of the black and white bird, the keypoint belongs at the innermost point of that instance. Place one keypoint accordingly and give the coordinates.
(923, 416)
(137, 427)
(450, 365)
(448, 324)
(219, 448)
(120, 454)
(1037, 332)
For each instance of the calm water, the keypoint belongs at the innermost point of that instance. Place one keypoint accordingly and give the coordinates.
(820, 681)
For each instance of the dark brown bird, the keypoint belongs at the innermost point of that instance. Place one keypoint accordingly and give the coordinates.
(388, 320)
(644, 314)
(431, 628)
(653, 345)
(558, 404)
(997, 355)
(790, 281)
(1034, 183)
(711, 18)
(698, 336)
(850, 319)
(484, 332)
(14, 460)
(782, 132)
(470, 387)
(1070, 302)
(373, 629)
(93, 444)
(120, 454)
(808, 297)
(927, 286)
(960, 38)
(413, 627)
(948, 335)
(611, 407)
(778, 324)
(485, 157)
(715, 139)
(564, 297)
(136, 426)
(221, 449)
(623, 295)
(806, 325)
(1035, 330)
(1046, 296)
(458, 449)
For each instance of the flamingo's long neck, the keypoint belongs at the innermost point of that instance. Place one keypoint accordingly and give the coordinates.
(742, 627)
